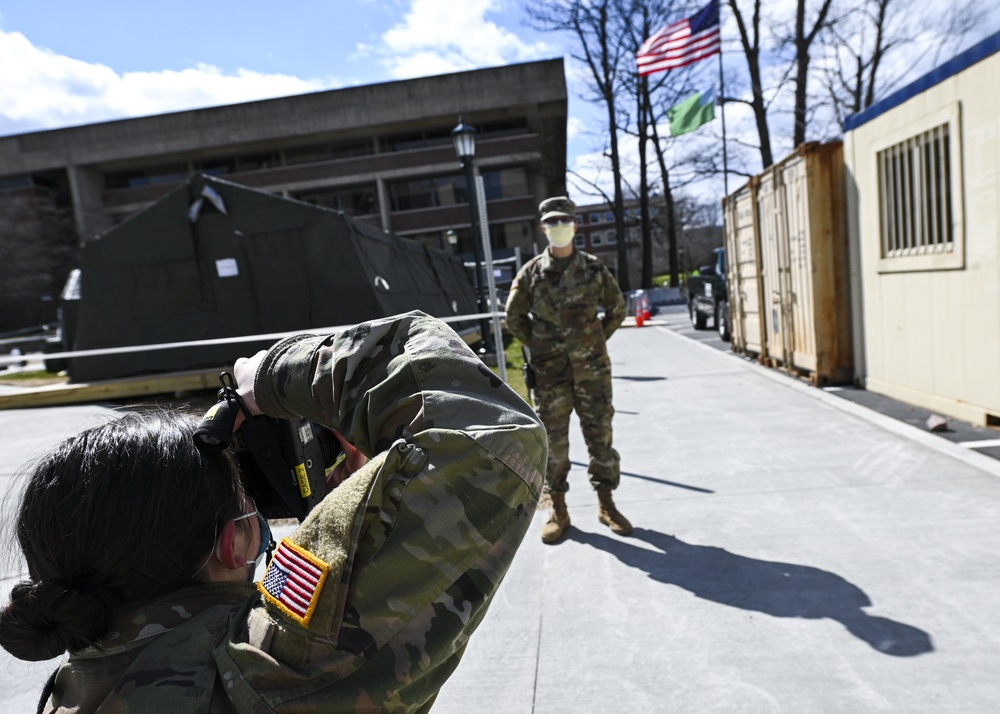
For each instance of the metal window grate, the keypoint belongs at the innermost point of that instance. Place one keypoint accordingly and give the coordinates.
(915, 195)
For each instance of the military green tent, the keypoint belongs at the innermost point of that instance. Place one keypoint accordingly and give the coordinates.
(213, 259)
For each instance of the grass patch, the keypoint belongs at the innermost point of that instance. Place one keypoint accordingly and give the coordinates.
(664, 280)
(34, 375)
(515, 377)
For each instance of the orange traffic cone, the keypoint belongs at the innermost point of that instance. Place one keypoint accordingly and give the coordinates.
(640, 318)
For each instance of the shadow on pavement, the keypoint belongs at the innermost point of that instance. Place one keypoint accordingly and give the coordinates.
(776, 589)
(653, 479)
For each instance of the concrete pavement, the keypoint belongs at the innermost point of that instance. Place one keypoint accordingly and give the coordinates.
(794, 552)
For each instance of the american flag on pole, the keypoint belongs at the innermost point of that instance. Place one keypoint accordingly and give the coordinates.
(294, 580)
(681, 43)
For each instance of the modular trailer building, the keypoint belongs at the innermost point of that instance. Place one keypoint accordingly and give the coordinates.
(923, 198)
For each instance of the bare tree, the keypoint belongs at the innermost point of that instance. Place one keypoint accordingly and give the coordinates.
(750, 41)
(859, 40)
(653, 97)
(803, 40)
(961, 18)
(634, 20)
(38, 246)
(601, 49)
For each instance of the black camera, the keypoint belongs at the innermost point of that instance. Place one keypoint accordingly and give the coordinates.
(284, 462)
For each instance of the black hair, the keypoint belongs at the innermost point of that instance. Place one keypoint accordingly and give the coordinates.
(121, 513)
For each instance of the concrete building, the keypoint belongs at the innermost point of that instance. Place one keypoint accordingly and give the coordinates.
(381, 153)
(597, 235)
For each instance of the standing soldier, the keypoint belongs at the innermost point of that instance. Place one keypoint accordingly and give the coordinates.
(553, 309)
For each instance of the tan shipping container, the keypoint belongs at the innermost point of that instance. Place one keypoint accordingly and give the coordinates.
(743, 272)
(787, 267)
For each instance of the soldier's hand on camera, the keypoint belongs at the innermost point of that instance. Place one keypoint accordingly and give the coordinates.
(353, 460)
(245, 370)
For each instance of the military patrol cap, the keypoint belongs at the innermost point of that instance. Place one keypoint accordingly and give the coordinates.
(557, 206)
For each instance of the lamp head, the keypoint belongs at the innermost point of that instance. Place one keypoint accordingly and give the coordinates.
(464, 137)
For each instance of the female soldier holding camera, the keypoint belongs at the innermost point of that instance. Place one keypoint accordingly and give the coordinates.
(139, 546)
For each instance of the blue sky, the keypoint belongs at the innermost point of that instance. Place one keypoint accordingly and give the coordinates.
(70, 62)
(342, 41)
(81, 61)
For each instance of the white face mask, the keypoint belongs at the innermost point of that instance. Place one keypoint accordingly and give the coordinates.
(560, 235)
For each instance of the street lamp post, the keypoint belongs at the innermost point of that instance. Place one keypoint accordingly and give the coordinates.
(464, 137)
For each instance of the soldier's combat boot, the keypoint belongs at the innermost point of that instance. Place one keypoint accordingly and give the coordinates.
(608, 513)
(558, 521)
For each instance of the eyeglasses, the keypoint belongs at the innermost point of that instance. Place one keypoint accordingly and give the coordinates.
(556, 220)
(265, 530)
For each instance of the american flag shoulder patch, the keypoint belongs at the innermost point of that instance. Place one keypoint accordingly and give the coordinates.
(293, 581)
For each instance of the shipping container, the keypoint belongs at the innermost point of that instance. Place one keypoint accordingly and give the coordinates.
(743, 273)
(789, 274)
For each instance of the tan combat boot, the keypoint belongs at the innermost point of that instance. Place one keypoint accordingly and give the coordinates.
(609, 515)
(558, 521)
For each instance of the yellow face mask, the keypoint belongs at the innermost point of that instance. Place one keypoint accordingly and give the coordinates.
(560, 235)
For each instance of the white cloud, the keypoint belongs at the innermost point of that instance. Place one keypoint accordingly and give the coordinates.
(439, 36)
(49, 90)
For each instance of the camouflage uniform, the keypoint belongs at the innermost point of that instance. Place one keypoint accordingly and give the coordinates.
(414, 544)
(556, 316)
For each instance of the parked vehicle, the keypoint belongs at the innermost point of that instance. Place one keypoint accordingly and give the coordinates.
(708, 298)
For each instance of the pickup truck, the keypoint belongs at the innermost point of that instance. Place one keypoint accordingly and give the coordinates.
(707, 296)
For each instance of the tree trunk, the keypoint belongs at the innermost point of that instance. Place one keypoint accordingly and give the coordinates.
(668, 207)
(803, 45)
(751, 50)
(642, 125)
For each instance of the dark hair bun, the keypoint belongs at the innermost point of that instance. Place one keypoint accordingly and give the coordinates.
(45, 619)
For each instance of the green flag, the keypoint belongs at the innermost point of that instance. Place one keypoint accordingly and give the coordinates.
(692, 112)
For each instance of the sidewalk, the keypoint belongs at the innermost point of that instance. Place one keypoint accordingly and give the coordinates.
(793, 552)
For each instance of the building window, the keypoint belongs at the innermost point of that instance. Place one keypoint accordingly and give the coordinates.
(216, 167)
(596, 239)
(915, 191)
(427, 193)
(612, 237)
(920, 201)
(419, 140)
(517, 126)
(16, 182)
(256, 162)
(579, 241)
(354, 200)
(595, 217)
(170, 173)
(506, 183)
(328, 151)
(609, 217)
(516, 234)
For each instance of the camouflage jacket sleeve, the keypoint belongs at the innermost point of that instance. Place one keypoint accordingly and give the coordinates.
(408, 551)
(518, 307)
(614, 304)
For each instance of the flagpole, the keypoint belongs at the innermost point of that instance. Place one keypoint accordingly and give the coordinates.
(722, 110)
